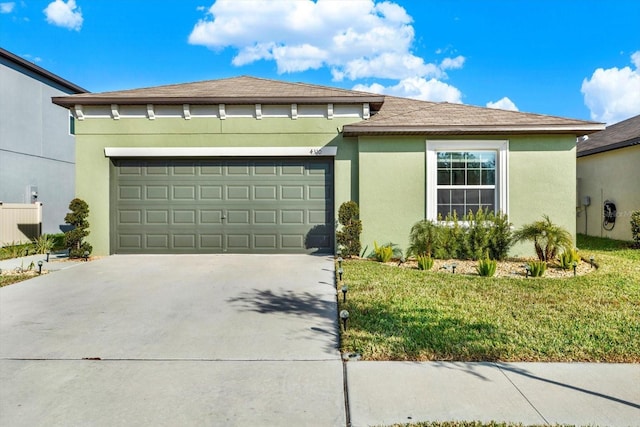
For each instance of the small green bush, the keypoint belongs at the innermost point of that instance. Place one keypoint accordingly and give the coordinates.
(382, 253)
(425, 262)
(451, 238)
(348, 237)
(567, 258)
(537, 268)
(14, 250)
(43, 244)
(487, 267)
(635, 228)
(73, 239)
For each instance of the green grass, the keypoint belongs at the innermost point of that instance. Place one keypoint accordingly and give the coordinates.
(469, 424)
(14, 278)
(405, 314)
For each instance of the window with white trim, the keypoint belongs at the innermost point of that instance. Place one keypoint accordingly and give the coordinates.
(465, 176)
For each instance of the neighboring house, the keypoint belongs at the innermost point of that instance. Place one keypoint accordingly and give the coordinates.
(37, 146)
(253, 165)
(609, 171)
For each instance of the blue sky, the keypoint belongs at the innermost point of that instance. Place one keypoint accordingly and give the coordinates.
(571, 58)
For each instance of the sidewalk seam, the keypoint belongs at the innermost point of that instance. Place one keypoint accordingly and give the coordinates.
(522, 394)
(345, 390)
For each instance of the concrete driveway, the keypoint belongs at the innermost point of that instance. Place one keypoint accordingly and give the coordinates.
(173, 340)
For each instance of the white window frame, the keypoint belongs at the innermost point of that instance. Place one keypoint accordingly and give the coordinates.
(501, 147)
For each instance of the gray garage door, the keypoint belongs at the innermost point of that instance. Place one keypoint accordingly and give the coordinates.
(220, 205)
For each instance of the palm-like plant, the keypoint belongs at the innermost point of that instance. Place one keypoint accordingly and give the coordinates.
(546, 236)
(422, 238)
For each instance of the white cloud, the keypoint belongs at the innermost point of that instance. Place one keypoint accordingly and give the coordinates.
(7, 7)
(452, 63)
(66, 15)
(503, 104)
(613, 94)
(359, 39)
(417, 88)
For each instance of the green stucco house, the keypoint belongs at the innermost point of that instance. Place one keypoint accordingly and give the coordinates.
(250, 165)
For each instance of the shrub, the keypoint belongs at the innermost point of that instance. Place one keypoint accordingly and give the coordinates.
(43, 244)
(73, 239)
(635, 228)
(547, 238)
(451, 238)
(382, 253)
(14, 250)
(423, 238)
(537, 268)
(477, 234)
(425, 262)
(349, 236)
(480, 233)
(568, 257)
(500, 236)
(487, 267)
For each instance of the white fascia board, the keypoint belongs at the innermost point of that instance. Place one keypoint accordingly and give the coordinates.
(220, 151)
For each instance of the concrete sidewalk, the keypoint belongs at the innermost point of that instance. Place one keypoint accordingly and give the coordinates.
(57, 261)
(384, 393)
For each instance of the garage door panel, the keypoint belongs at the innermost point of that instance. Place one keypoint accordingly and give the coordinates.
(184, 241)
(238, 192)
(317, 192)
(130, 241)
(157, 192)
(184, 192)
(157, 216)
(210, 192)
(130, 217)
(211, 216)
(184, 217)
(211, 242)
(157, 241)
(265, 192)
(292, 192)
(238, 241)
(220, 205)
(292, 241)
(292, 216)
(238, 217)
(130, 192)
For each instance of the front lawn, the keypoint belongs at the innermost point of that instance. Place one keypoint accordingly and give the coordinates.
(406, 314)
(8, 279)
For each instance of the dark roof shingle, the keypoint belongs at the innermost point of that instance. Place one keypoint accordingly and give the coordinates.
(619, 135)
(414, 117)
(237, 90)
(389, 114)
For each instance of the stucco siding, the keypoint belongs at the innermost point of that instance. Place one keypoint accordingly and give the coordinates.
(93, 135)
(612, 175)
(392, 188)
(392, 182)
(542, 171)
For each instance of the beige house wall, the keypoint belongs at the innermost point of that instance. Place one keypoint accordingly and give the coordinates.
(612, 175)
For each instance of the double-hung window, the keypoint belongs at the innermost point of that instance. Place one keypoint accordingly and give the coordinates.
(465, 176)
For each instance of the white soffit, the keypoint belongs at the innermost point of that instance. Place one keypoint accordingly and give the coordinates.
(219, 151)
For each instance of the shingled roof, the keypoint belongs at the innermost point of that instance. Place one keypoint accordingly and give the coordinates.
(413, 117)
(236, 90)
(623, 134)
(389, 115)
